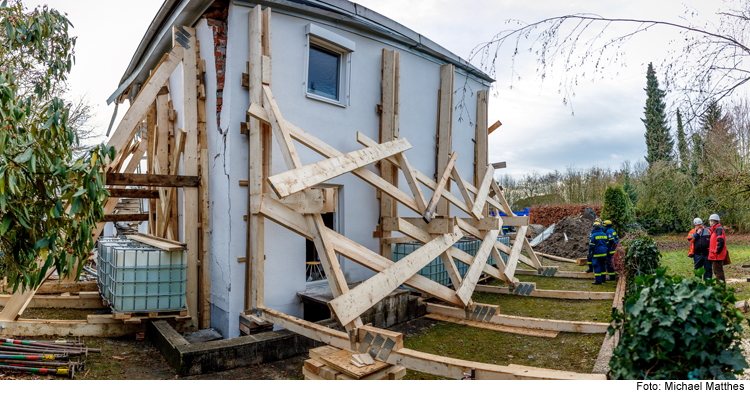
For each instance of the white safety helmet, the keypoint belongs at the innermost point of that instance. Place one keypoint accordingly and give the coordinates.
(714, 217)
(697, 221)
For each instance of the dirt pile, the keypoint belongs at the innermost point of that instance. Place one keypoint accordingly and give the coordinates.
(571, 238)
(551, 214)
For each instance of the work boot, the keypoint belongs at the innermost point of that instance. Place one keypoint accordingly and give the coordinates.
(596, 283)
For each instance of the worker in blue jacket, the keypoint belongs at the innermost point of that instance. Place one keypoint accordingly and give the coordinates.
(598, 252)
(612, 241)
(588, 257)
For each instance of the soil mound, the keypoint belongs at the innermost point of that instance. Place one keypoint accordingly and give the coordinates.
(571, 238)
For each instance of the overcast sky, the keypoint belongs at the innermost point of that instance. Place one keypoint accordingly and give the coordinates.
(539, 133)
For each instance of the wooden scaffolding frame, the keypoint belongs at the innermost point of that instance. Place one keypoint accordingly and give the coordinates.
(435, 229)
(147, 129)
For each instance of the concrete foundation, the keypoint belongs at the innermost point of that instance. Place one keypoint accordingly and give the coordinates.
(220, 355)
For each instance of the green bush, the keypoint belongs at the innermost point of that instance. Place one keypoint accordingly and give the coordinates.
(678, 329)
(667, 199)
(618, 208)
(641, 258)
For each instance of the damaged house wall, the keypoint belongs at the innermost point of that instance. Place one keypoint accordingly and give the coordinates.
(224, 47)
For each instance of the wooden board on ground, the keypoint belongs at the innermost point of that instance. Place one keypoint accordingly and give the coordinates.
(558, 258)
(341, 360)
(552, 294)
(493, 326)
(558, 274)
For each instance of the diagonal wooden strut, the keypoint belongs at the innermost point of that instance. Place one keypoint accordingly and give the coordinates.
(350, 305)
(438, 193)
(301, 178)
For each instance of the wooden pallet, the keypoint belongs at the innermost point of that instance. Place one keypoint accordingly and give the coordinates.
(331, 363)
(136, 318)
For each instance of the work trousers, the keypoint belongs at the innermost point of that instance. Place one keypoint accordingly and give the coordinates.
(600, 266)
(718, 269)
(702, 261)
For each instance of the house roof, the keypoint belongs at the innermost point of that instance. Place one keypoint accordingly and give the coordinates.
(340, 13)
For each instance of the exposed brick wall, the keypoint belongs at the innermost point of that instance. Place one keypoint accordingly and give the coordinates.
(220, 53)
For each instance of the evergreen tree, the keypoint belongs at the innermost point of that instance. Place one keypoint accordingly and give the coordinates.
(627, 186)
(697, 156)
(682, 146)
(617, 208)
(712, 119)
(659, 143)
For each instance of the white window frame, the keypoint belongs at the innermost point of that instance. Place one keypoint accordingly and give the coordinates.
(338, 45)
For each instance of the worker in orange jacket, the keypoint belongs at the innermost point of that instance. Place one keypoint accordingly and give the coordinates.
(696, 223)
(718, 247)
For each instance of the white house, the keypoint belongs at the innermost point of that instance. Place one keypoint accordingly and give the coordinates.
(326, 72)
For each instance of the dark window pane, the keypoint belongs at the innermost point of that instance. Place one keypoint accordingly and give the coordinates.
(323, 72)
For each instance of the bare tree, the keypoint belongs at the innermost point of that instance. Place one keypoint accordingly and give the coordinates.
(707, 62)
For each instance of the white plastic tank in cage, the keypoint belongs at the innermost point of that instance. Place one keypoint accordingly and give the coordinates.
(135, 277)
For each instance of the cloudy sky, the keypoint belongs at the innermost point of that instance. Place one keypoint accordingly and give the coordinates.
(539, 133)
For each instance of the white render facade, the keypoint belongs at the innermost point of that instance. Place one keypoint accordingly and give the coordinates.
(361, 35)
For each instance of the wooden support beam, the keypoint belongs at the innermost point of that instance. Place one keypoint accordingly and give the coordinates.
(350, 305)
(388, 132)
(410, 174)
(313, 201)
(161, 243)
(133, 193)
(493, 326)
(484, 190)
(60, 302)
(442, 183)
(301, 178)
(462, 187)
(310, 330)
(557, 274)
(481, 157)
(475, 232)
(476, 267)
(255, 244)
(445, 128)
(515, 253)
(413, 231)
(75, 328)
(552, 294)
(331, 266)
(424, 179)
(284, 216)
(179, 148)
(142, 103)
(155, 180)
(56, 286)
(436, 227)
(280, 129)
(494, 127)
(125, 217)
(18, 302)
(527, 322)
(327, 151)
(190, 199)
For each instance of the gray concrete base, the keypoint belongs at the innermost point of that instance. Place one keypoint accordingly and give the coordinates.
(201, 358)
(220, 355)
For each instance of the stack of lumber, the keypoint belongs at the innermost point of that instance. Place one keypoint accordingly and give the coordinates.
(331, 363)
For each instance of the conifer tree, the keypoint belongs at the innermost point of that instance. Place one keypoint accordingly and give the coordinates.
(659, 143)
(682, 146)
(617, 208)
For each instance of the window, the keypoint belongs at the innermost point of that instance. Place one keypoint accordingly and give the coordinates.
(328, 65)
(323, 72)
